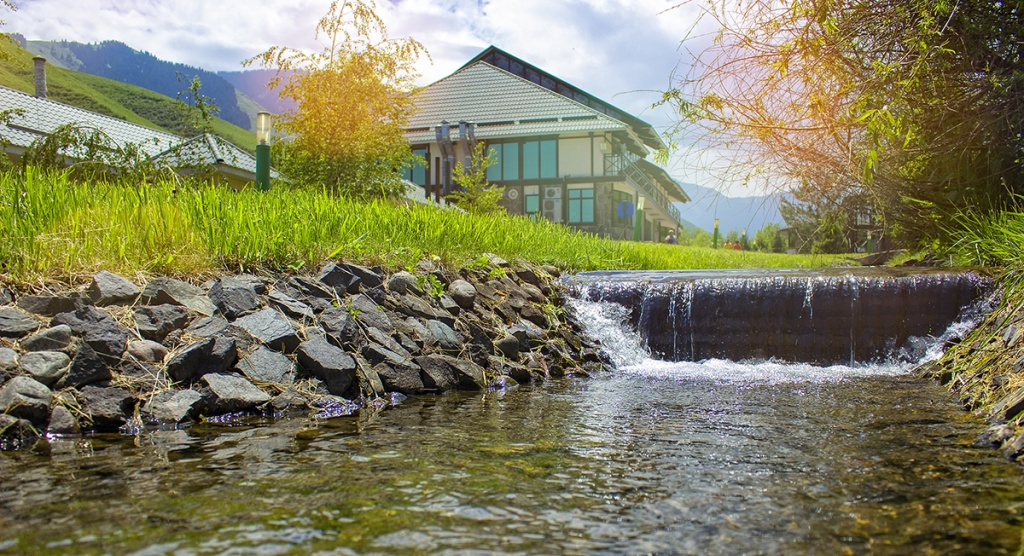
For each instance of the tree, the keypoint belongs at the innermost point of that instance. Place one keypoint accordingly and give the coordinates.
(914, 106)
(351, 102)
(478, 196)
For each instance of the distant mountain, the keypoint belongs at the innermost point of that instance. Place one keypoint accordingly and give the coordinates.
(733, 213)
(117, 61)
(253, 84)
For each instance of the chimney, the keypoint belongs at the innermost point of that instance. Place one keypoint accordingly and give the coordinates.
(40, 76)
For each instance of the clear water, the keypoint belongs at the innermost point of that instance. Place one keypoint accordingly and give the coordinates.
(655, 458)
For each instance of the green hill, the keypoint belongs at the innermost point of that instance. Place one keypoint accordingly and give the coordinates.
(105, 96)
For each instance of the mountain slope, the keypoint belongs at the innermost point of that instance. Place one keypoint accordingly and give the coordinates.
(733, 213)
(253, 84)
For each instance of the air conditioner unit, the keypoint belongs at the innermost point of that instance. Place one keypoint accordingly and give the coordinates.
(552, 206)
(552, 192)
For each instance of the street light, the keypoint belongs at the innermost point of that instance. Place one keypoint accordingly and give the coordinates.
(263, 127)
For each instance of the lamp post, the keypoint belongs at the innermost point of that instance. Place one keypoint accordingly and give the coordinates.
(743, 241)
(638, 220)
(714, 238)
(263, 126)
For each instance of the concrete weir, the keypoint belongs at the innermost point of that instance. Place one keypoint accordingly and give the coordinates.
(825, 316)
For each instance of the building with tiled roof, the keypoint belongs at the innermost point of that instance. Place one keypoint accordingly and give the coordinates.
(562, 154)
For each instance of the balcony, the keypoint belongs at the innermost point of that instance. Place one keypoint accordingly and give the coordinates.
(626, 165)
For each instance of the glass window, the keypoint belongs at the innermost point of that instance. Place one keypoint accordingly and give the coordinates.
(494, 170)
(549, 158)
(510, 161)
(531, 160)
(581, 206)
(531, 194)
(418, 172)
(619, 197)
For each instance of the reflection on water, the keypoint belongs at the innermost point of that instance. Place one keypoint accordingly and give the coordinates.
(650, 459)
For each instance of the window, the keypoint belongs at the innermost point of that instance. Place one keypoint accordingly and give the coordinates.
(531, 194)
(581, 206)
(506, 165)
(619, 197)
(418, 172)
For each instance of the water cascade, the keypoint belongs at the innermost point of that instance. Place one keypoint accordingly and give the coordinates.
(821, 317)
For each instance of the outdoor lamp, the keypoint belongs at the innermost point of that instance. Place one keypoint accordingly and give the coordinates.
(263, 127)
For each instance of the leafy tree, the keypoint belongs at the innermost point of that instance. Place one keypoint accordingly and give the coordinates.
(914, 106)
(195, 110)
(478, 195)
(352, 100)
(765, 237)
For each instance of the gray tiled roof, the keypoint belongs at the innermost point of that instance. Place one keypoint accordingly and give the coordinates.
(501, 105)
(40, 117)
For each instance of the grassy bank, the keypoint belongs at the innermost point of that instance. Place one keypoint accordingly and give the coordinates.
(54, 228)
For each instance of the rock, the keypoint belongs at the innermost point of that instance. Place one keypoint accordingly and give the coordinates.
(107, 408)
(223, 356)
(144, 377)
(155, 322)
(12, 427)
(56, 338)
(271, 328)
(341, 327)
(442, 336)
(183, 367)
(448, 304)
(417, 307)
(63, 422)
(375, 335)
(46, 366)
(87, 367)
(234, 297)
(26, 398)
(267, 365)
(437, 373)
(50, 305)
(370, 384)
(163, 290)
(402, 378)
(404, 282)
(463, 293)
(288, 399)
(367, 312)
(528, 275)
(230, 393)
(108, 288)
(175, 406)
(495, 260)
(369, 278)
(259, 284)
(6, 297)
(98, 329)
(340, 278)
(16, 324)
(147, 351)
(995, 435)
(1012, 335)
(534, 293)
(310, 291)
(533, 314)
(8, 363)
(328, 363)
(290, 306)
(1009, 406)
(508, 345)
(552, 271)
(208, 326)
(469, 374)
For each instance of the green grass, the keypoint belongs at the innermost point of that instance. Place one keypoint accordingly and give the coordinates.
(55, 228)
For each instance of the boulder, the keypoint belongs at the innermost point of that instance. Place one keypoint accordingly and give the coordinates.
(234, 297)
(369, 278)
(443, 337)
(56, 338)
(87, 367)
(107, 408)
(528, 275)
(208, 326)
(183, 367)
(341, 327)
(402, 378)
(309, 291)
(63, 422)
(375, 335)
(174, 406)
(448, 304)
(16, 324)
(26, 398)
(417, 307)
(108, 288)
(163, 290)
(8, 363)
(267, 365)
(340, 278)
(508, 345)
(437, 373)
(50, 305)
(463, 293)
(12, 427)
(469, 374)
(328, 363)
(147, 351)
(46, 366)
(367, 312)
(98, 329)
(155, 322)
(271, 328)
(225, 393)
(223, 356)
(370, 384)
(290, 306)
(404, 282)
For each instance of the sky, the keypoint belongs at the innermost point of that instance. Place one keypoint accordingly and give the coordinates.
(623, 51)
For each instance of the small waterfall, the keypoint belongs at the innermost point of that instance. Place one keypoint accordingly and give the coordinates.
(820, 317)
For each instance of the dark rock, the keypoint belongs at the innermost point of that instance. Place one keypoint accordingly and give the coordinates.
(26, 398)
(1011, 335)
(534, 314)
(341, 327)
(175, 406)
(328, 363)
(370, 314)
(144, 377)
(156, 321)
(46, 366)
(289, 399)
(289, 305)
(16, 324)
(402, 378)
(233, 297)
(375, 335)
(437, 373)
(6, 297)
(339, 278)
(495, 260)
(230, 393)
(552, 271)
(448, 304)
(267, 365)
(370, 384)
(442, 336)
(63, 422)
(107, 408)
(57, 338)
(528, 334)
(369, 277)
(258, 284)
(534, 294)
(87, 367)
(469, 374)
(414, 328)
(98, 329)
(108, 288)
(12, 427)
(208, 326)
(223, 356)
(1009, 406)
(1014, 447)
(528, 275)
(404, 282)
(8, 363)
(417, 307)
(380, 296)
(508, 345)
(376, 353)
(50, 305)
(995, 435)
(147, 351)
(271, 328)
(183, 367)
(308, 290)
(168, 291)
(408, 344)
(522, 374)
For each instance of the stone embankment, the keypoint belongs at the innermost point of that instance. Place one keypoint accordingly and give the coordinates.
(120, 356)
